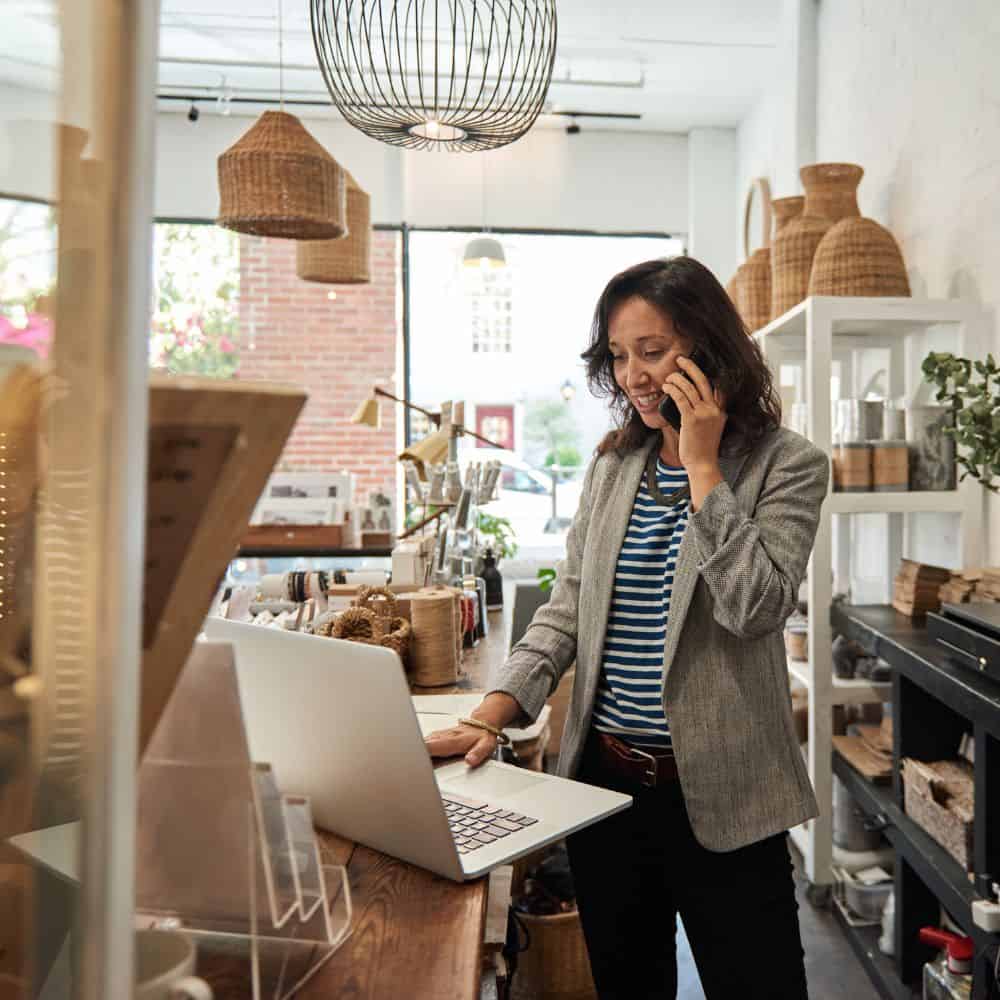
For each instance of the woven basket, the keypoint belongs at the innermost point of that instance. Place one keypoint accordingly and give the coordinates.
(555, 965)
(395, 634)
(380, 601)
(344, 261)
(755, 290)
(277, 180)
(858, 257)
(831, 195)
(735, 287)
(786, 209)
(356, 624)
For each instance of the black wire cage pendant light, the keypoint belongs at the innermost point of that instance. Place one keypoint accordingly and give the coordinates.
(437, 74)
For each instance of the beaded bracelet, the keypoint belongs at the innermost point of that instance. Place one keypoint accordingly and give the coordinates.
(501, 736)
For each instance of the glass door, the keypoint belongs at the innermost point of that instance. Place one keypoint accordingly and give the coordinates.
(77, 109)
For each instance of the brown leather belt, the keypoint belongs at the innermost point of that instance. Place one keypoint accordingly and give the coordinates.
(636, 767)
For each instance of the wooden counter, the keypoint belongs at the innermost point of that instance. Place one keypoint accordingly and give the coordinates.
(415, 934)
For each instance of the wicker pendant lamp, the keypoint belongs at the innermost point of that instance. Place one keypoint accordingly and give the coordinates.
(277, 180)
(345, 261)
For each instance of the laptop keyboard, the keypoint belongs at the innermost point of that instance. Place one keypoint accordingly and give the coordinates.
(475, 823)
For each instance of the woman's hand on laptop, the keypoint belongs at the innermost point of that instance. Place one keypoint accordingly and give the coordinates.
(476, 744)
(497, 709)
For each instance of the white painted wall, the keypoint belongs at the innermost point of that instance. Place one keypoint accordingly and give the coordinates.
(910, 89)
(596, 180)
(609, 181)
(713, 200)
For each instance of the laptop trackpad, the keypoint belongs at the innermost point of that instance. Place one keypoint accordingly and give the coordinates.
(488, 781)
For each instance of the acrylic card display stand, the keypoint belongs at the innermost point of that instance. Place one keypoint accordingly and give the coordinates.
(223, 855)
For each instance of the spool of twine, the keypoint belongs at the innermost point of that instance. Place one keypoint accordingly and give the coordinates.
(433, 649)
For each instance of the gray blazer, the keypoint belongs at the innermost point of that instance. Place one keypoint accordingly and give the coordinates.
(725, 688)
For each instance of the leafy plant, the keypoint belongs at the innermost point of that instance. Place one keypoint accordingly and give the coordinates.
(566, 455)
(546, 579)
(966, 386)
(501, 531)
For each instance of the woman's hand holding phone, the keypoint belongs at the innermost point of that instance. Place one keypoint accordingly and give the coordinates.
(702, 417)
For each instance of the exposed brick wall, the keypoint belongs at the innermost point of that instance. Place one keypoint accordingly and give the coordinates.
(334, 349)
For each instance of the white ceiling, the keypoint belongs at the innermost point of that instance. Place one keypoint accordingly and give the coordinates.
(678, 65)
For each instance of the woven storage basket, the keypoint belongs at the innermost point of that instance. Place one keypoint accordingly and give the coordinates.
(939, 797)
(356, 624)
(343, 261)
(831, 195)
(857, 256)
(395, 634)
(555, 965)
(277, 180)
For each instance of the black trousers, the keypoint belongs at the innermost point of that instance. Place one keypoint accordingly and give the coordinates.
(636, 871)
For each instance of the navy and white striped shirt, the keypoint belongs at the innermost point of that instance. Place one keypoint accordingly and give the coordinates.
(629, 696)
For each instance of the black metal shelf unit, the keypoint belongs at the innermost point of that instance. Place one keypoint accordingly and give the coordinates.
(880, 968)
(935, 701)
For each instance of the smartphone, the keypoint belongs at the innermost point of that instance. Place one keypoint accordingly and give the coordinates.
(668, 408)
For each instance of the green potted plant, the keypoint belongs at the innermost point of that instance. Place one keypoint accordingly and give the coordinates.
(972, 390)
(497, 533)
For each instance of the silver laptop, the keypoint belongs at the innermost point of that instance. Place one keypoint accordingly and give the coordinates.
(336, 722)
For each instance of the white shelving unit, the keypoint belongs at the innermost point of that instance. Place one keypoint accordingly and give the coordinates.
(855, 336)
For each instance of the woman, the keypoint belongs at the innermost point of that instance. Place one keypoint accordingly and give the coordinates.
(682, 564)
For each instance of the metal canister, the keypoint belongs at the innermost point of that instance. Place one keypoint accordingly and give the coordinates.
(859, 419)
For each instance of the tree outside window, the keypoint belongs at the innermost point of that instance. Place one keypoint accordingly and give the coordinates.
(195, 327)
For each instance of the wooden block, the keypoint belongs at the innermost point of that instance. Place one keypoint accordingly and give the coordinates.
(284, 536)
(872, 766)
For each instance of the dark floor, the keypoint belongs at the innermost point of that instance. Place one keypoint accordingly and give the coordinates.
(832, 970)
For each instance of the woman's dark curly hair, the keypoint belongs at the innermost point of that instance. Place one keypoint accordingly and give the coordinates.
(700, 309)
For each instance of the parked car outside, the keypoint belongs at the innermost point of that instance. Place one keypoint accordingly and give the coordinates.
(525, 497)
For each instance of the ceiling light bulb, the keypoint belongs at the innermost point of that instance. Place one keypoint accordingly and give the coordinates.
(331, 296)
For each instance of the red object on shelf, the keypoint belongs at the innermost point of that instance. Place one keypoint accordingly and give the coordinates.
(960, 949)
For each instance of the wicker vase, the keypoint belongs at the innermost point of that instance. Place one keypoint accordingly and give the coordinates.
(786, 209)
(857, 256)
(277, 180)
(345, 261)
(735, 287)
(831, 195)
(756, 289)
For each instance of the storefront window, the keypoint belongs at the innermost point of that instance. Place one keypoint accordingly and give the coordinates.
(196, 323)
(507, 341)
